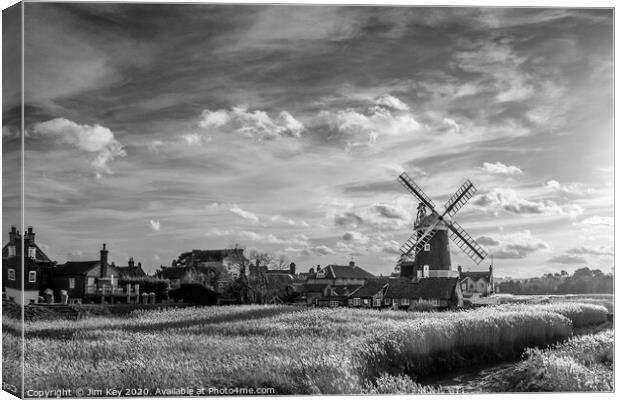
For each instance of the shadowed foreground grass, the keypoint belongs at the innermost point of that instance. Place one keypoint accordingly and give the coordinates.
(295, 351)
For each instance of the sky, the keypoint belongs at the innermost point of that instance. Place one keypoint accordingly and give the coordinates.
(158, 129)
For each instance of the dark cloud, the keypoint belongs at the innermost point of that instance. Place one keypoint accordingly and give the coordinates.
(567, 259)
(487, 241)
(348, 218)
(391, 212)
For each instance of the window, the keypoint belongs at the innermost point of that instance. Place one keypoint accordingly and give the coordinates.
(11, 274)
(357, 301)
(426, 268)
(388, 301)
(32, 252)
(334, 303)
(427, 247)
(11, 251)
(377, 302)
(404, 302)
(32, 276)
(463, 286)
(71, 283)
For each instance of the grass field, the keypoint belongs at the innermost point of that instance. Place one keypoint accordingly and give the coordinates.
(294, 350)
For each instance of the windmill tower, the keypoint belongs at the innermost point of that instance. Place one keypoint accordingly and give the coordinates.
(432, 231)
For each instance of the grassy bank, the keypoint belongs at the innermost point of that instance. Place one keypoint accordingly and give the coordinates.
(293, 350)
(583, 363)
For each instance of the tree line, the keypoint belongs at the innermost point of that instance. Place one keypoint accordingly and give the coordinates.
(583, 280)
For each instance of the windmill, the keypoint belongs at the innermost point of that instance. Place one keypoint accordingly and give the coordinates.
(429, 242)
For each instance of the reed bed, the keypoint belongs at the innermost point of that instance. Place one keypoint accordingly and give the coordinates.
(295, 351)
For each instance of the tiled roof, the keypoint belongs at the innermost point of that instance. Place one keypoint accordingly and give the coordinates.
(345, 290)
(346, 271)
(427, 288)
(475, 275)
(280, 281)
(75, 267)
(371, 287)
(316, 287)
(173, 272)
(130, 271)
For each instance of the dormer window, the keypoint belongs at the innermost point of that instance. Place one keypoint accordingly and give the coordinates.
(32, 276)
(427, 247)
(11, 251)
(32, 252)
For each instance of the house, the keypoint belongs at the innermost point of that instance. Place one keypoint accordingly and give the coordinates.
(90, 281)
(131, 270)
(331, 286)
(37, 267)
(440, 292)
(476, 284)
(370, 295)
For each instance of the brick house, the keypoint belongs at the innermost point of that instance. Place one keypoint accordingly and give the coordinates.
(36, 272)
(331, 286)
(131, 270)
(91, 281)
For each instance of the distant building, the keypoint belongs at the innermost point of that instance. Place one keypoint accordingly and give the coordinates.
(37, 267)
(371, 294)
(476, 284)
(232, 260)
(90, 281)
(331, 286)
(437, 292)
(131, 270)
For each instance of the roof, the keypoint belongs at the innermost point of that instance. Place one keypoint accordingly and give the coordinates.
(316, 287)
(211, 255)
(475, 275)
(371, 287)
(40, 256)
(130, 271)
(75, 267)
(426, 288)
(279, 280)
(345, 290)
(346, 271)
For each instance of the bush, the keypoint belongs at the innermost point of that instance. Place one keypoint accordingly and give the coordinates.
(194, 293)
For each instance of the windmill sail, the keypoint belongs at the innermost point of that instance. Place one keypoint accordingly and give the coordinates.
(460, 198)
(466, 243)
(416, 243)
(411, 186)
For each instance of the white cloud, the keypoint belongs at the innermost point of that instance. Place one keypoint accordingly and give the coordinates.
(451, 125)
(567, 259)
(255, 124)
(193, 139)
(515, 245)
(501, 169)
(573, 188)
(392, 102)
(244, 214)
(320, 250)
(595, 251)
(93, 139)
(598, 221)
(508, 200)
(294, 240)
(284, 220)
(155, 225)
(217, 232)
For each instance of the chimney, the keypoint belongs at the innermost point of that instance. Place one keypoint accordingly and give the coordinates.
(490, 268)
(460, 269)
(30, 235)
(351, 263)
(103, 260)
(13, 234)
(130, 262)
(292, 268)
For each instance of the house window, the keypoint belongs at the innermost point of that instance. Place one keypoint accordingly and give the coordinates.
(357, 301)
(32, 252)
(11, 251)
(427, 247)
(377, 302)
(71, 283)
(32, 276)
(11, 274)
(334, 303)
(388, 301)
(404, 302)
(365, 301)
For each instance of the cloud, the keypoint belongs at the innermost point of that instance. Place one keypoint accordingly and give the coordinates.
(217, 232)
(355, 237)
(392, 102)
(517, 245)
(93, 139)
(362, 129)
(254, 124)
(573, 188)
(598, 221)
(244, 214)
(451, 125)
(194, 139)
(155, 225)
(320, 250)
(348, 218)
(391, 212)
(508, 200)
(595, 251)
(567, 259)
(288, 221)
(501, 169)
(295, 240)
